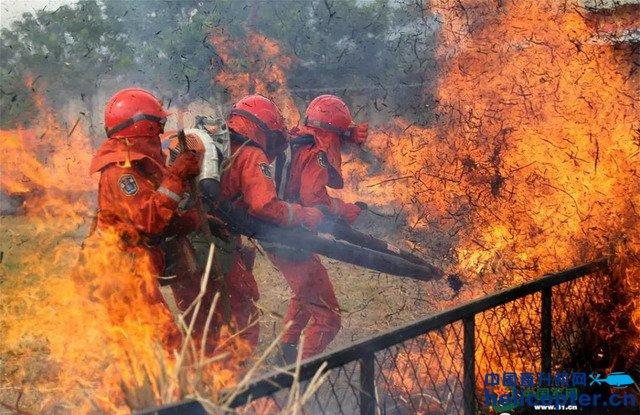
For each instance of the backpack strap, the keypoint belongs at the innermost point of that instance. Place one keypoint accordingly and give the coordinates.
(283, 162)
(283, 165)
(302, 140)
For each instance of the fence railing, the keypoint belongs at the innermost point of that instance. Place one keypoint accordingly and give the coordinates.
(437, 364)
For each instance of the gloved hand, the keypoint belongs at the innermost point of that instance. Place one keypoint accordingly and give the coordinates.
(359, 133)
(350, 212)
(186, 165)
(310, 217)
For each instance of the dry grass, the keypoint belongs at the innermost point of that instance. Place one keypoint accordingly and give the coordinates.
(370, 303)
(184, 378)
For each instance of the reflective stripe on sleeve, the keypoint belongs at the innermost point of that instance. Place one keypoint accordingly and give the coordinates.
(168, 193)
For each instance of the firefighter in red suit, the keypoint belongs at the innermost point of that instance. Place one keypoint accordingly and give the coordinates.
(138, 196)
(258, 135)
(313, 164)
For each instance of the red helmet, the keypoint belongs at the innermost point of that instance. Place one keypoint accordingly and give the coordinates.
(134, 112)
(330, 113)
(258, 119)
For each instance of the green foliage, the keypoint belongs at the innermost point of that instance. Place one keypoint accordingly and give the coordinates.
(64, 51)
(372, 52)
(169, 40)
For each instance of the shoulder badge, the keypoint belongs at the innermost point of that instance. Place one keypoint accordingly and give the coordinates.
(322, 159)
(266, 170)
(128, 184)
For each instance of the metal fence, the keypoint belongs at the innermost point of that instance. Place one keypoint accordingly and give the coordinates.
(437, 365)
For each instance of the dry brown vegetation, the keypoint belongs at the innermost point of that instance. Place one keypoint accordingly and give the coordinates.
(370, 303)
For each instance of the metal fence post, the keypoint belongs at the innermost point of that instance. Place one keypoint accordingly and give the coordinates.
(367, 385)
(546, 326)
(468, 355)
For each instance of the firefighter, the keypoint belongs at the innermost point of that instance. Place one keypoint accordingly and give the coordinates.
(138, 197)
(258, 135)
(313, 163)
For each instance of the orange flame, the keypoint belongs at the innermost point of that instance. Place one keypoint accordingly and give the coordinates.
(533, 164)
(534, 160)
(48, 169)
(255, 64)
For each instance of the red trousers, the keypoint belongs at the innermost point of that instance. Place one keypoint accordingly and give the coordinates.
(241, 292)
(236, 305)
(313, 307)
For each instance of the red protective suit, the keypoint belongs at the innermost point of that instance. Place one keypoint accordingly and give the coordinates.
(314, 307)
(138, 197)
(249, 183)
(313, 168)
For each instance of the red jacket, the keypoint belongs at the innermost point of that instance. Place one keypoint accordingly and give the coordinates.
(310, 172)
(137, 196)
(249, 182)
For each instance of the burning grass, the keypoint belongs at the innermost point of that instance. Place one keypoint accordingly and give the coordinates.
(63, 352)
(533, 163)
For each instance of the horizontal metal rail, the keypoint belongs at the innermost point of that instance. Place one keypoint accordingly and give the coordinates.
(465, 312)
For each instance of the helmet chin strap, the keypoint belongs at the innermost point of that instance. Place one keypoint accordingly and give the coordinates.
(131, 121)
